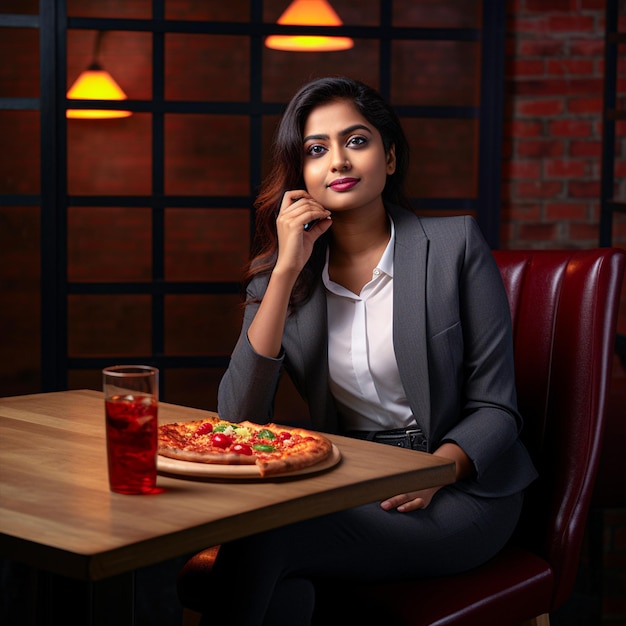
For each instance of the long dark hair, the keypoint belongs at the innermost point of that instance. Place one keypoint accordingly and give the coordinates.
(287, 167)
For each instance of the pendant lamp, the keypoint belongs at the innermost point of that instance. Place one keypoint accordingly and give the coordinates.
(95, 83)
(309, 13)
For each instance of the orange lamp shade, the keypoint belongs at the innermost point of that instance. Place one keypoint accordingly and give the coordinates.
(96, 84)
(309, 13)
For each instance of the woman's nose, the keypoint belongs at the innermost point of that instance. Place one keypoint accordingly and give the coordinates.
(341, 165)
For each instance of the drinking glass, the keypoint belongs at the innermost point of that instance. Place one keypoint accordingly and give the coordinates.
(131, 397)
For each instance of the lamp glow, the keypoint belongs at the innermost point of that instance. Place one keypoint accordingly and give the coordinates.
(96, 83)
(309, 13)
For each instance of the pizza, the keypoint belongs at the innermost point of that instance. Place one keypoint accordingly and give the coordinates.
(272, 448)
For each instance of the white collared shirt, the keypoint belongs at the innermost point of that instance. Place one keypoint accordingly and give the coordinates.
(364, 377)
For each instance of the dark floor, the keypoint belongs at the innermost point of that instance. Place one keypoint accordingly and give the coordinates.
(157, 604)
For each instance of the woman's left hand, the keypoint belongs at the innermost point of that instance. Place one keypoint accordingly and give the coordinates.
(410, 501)
(413, 500)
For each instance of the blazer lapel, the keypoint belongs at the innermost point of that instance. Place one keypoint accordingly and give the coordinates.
(409, 294)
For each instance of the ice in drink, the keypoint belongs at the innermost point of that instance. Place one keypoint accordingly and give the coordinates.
(131, 423)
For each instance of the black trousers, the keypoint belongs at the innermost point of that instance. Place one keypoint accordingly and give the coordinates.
(267, 577)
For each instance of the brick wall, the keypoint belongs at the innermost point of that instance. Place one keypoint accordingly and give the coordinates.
(552, 148)
(551, 180)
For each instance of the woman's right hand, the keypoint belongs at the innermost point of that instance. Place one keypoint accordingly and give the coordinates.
(295, 244)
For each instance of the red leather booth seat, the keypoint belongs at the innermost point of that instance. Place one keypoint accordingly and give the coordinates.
(564, 307)
(610, 488)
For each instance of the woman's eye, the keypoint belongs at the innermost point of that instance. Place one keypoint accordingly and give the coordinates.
(357, 141)
(315, 150)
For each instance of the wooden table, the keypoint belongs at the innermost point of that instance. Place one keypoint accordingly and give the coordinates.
(58, 515)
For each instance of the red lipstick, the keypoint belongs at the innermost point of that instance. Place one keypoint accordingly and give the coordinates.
(343, 184)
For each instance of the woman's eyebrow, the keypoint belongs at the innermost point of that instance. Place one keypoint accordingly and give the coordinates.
(342, 133)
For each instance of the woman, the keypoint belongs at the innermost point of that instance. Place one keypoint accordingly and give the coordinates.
(393, 328)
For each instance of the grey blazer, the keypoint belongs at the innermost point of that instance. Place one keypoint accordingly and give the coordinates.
(453, 345)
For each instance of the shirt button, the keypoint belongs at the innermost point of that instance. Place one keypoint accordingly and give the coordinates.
(376, 272)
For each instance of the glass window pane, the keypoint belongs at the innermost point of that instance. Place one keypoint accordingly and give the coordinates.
(193, 387)
(206, 244)
(207, 67)
(437, 14)
(284, 72)
(126, 55)
(109, 325)
(231, 11)
(20, 154)
(23, 7)
(20, 319)
(112, 244)
(110, 157)
(85, 379)
(202, 324)
(444, 155)
(436, 73)
(19, 69)
(110, 8)
(207, 155)
(269, 124)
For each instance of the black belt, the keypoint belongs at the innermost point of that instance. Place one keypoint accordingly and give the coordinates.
(412, 438)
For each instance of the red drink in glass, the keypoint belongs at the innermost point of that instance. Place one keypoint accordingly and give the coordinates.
(131, 427)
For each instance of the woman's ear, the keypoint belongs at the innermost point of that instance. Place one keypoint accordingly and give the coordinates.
(391, 159)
